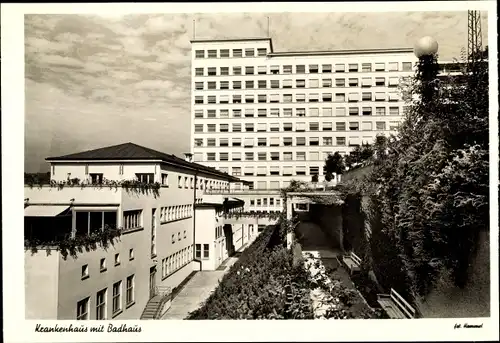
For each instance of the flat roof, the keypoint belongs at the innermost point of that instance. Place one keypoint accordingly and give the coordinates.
(341, 52)
(250, 39)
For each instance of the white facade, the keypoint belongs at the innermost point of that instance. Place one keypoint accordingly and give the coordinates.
(156, 248)
(273, 117)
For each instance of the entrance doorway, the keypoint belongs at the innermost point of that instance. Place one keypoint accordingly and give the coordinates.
(152, 282)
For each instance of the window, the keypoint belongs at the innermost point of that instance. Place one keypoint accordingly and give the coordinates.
(130, 290)
(275, 69)
(274, 127)
(300, 127)
(327, 112)
(237, 53)
(248, 171)
(261, 141)
(327, 126)
(275, 156)
(313, 112)
(211, 127)
(366, 126)
(313, 141)
(224, 53)
(211, 142)
(131, 254)
(300, 69)
(82, 309)
(367, 111)
(223, 128)
(287, 69)
(340, 68)
(300, 170)
(96, 178)
(313, 97)
(198, 71)
(198, 99)
(249, 53)
(380, 96)
(236, 113)
(206, 250)
(145, 178)
(393, 66)
(236, 127)
(393, 96)
(313, 126)
(223, 142)
(353, 97)
(249, 99)
(198, 86)
(262, 98)
(198, 113)
(302, 97)
(199, 53)
(249, 71)
(366, 82)
(300, 83)
(366, 96)
(236, 70)
(380, 111)
(353, 67)
(224, 113)
(287, 98)
(393, 125)
(117, 297)
(224, 71)
(380, 125)
(300, 141)
(85, 271)
(393, 81)
(354, 111)
(261, 52)
(326, 97)
(353, 82)
(249, 127)
(366, 67)
(236, 156)
(224, 99)
(236, 142)
(339, 97)
(132, 219)
(223, 156)
(286, 83)
(393, 111)
(287, 171)
(224, 85)
(301, 156)
(380, 81)
(287, 112)
(211, 99)
(212, 53)
(327, 141)
(210, 156)
(340, 141)
(314, 83)
(101, 305)
(340, 111)
(379, 66)
(354, 126)
(236, 171)
(407, 66)
(340, 126)
(117, 259)
(326, 68)
(339, 82)
(102, 265)
(287, 141)
(212, 71)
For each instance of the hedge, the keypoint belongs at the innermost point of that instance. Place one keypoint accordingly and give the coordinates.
(262, 284)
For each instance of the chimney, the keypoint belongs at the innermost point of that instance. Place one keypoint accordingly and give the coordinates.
(188, 156)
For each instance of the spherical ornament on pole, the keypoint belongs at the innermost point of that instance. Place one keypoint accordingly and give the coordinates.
(426, 46)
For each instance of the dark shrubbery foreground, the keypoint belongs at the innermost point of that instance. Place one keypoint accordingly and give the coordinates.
(262, 284)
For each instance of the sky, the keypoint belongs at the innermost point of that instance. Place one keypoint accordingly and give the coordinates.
(98, 80)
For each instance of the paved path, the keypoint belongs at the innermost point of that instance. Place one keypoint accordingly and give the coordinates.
(196, 291)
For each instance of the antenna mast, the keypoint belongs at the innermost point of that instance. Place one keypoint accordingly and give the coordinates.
(475, 41)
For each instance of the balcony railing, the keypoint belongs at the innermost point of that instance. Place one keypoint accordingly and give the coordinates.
(242, 191)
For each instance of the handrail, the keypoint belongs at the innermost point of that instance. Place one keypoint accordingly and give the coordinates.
(163, 292)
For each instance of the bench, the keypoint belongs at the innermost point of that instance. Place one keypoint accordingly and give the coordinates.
(395, 306)
(352, 262)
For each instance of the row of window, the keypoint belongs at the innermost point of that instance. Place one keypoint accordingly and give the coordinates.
(298, 83)
(219, 232)
(171, 213)
(297, 112)
(188, 182)
(367, 67)
(179, 237)
(273, 170)
(103, 265)
(298, 98)
(273, 202)
(176, 261)
(83, 306)
(285, 127)
(226, 53)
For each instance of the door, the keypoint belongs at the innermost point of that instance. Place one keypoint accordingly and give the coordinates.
(152, 282)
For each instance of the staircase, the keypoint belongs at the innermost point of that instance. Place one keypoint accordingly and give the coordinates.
(153, 308)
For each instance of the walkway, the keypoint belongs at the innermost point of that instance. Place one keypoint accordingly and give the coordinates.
(198, 289)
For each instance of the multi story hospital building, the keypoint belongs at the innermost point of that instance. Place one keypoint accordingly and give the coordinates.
(271, 117)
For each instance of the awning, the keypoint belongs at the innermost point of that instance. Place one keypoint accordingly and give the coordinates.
(45, 211)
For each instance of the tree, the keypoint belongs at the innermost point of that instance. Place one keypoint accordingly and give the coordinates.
(334, 164)
(314, 178)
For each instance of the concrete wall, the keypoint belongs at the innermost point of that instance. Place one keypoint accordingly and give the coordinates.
(41, 284)
(205, 234)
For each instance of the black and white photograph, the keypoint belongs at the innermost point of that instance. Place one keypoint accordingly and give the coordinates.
(284, 163)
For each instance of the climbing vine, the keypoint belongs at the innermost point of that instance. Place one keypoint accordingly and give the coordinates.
(68, 246)
(131, 186)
